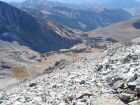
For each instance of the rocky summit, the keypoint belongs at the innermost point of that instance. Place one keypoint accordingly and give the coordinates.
(109, 78)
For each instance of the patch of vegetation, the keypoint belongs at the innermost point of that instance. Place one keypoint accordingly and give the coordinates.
(20, 72)
(111, 40)
(137, 24)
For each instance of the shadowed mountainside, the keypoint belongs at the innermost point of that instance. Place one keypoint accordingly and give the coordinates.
(38, 34)
(85, 20)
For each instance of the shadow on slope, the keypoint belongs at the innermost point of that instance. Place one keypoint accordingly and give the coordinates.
(38, 47)
(137, 24)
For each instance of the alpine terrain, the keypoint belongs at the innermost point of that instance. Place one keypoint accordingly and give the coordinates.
(38, 34)
(70, 52)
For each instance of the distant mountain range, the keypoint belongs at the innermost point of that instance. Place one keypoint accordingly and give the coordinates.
(84, 20)
(105, 3)
(82, 4)
(38, 34)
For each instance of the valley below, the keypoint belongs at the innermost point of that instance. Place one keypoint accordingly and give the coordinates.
(19, 65)
(70, 53)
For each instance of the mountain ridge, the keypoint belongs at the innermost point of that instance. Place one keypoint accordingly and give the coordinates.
(36, 33)
(105, 3)
(84, 20)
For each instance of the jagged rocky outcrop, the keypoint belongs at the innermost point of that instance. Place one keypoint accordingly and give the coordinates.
(114, 72)
(38, 34)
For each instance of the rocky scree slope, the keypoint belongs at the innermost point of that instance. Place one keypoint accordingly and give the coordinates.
(97, 80)
(84, 20)
(17, 63)
(38, 34)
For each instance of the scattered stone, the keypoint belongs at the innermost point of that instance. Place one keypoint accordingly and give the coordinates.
(81, 103)
(138, 88)
(33, 84)
(1, 102)
(131, 77)
(81, 94)
(134, 83)
(124, 96)
(134, 102)
(39, 99)
(54, 86)
(118, 84)
(63, 103)
(106, 72)
(82, 82)
(87, 81)
(17, 103)
(111, 80)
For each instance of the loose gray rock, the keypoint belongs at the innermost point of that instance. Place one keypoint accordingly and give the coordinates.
(134, 102)
(124, 96)
(82, 82)
(138, 88)
(134, 83)
(118, 84)
(81, 94)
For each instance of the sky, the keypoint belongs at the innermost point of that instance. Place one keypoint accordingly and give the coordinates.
(24, 0)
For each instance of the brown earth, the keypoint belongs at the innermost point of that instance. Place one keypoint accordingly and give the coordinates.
(50, 60)
(20, 72)
(122, 31)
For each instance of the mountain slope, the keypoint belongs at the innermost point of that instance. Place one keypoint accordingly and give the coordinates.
(94, 80)
(38, 34)
(85, 20)
(133, 11)
(126, 31)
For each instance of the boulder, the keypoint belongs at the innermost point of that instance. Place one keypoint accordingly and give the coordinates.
(82, 82)
(81, 103)
(106, 72)
(83, 93)
(134, 57)
(131, 77)
(138, 88)
(33, 84)
(39, 99)
(111, 80)
(134, 102)
(17, 103)
(118, 84)
(63, 103)
(134, 83)
(124, 96)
